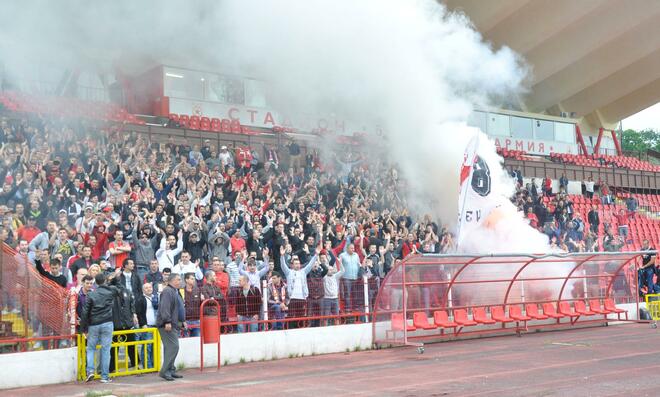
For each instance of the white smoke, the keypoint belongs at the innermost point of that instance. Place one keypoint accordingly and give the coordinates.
(408, 66)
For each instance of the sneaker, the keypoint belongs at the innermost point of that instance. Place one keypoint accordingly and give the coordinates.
(89, 378)
(106, 380)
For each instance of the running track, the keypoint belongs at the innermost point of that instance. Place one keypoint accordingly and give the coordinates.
(603, 361)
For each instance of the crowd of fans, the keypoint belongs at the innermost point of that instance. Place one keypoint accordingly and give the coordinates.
(553, 213)
(77, 201)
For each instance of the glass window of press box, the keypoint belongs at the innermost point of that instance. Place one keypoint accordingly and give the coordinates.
(504, 125)
(213, 87)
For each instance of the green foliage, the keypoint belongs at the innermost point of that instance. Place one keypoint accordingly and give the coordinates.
(640, 141)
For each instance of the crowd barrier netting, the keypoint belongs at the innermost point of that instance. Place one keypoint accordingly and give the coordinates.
(35, 314)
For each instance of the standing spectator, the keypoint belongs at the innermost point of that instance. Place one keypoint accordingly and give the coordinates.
(170, 315)
(315, 284)
(589, 188)
(146, 308)
(119, 250)
(594, 219)
(647, 270)
(145, 251)
(277, 299)
(185, 266)
(533, 219)
(55, 273)
(210, 290)
(124, 317)
(563, 184)
(129, 279)
(622, 219)
(154, 276)
(350, 262)
(248, 304)
(296, 283)
(605, 193)
(252, 272)
(331, 291)
(220, 277)
(192, 300)
(294, 155)
(631, 205)
(170, 247)
(96, 322)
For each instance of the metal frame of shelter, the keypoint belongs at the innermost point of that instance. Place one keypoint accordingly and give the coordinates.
(433, 283)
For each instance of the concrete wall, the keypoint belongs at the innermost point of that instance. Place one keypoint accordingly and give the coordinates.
(274, 345)
(60, 366)
(38, 368)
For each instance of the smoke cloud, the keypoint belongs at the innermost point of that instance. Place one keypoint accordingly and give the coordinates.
(408, 66)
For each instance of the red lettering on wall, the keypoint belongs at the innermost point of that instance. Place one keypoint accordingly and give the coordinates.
(230, 113)
(530, 146)
(252, 113)
(269, 119)
(541, 147)
(497, 142)
(519, 145)
(507, 143)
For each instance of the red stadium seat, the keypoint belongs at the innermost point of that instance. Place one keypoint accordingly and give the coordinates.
(420, 321)
(461, 318)
(497, 314)
(532, 310)
(594, 306)
(581, 309)
(441, 319)
(549, 310)
(479, 315)
(565, 309)
(398, 323)
(515, 312)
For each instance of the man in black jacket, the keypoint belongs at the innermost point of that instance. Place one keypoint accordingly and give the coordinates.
(96, 322)
(124, 318)
(129, 278)
(170, 316)
(55, 272)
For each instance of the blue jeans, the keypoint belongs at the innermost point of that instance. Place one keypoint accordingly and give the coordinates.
(347, 292)
(645, 277)
(278, 314)
(148, 347)
(254, 327)
(99, 334)
(194, 330)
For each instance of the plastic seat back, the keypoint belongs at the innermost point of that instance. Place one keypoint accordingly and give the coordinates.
(440, 317)
(420, 320)
(460, 315)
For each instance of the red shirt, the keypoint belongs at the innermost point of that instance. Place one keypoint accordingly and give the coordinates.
(118, 258)
(27, 233)
(622, 219)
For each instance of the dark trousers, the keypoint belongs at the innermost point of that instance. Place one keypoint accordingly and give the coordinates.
(170, 341)
(314, 309)
(296, 310)
(130, 350)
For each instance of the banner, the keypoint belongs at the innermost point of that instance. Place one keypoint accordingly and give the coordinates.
(475, 201)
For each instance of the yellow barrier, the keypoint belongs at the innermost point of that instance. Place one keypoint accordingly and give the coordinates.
(120, 340)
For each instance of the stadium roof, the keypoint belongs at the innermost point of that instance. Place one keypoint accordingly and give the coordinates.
(597, 58)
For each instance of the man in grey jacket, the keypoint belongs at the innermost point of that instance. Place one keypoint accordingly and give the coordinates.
(218, 244)
(169, 318)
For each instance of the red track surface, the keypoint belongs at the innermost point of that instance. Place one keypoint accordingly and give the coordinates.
(602, 361)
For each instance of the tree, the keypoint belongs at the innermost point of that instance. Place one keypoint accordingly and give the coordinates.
(640, 141)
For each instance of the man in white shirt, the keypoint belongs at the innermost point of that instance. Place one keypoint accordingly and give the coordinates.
(170, 247)
(186, 266)
(296, 283)
(146, 307)
(589, 187)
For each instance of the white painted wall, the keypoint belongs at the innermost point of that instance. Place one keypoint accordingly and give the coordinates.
(274, 345)
(38, 368)
(60, 366)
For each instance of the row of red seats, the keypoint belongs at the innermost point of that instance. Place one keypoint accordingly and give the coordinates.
(497, 315)
(511, 154)
(631, 163)
(66, 107)
(211, 124)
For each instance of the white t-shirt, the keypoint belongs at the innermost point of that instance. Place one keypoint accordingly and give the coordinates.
(589, 186)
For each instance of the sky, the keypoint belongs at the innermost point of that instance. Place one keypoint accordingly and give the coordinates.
(648, 118)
